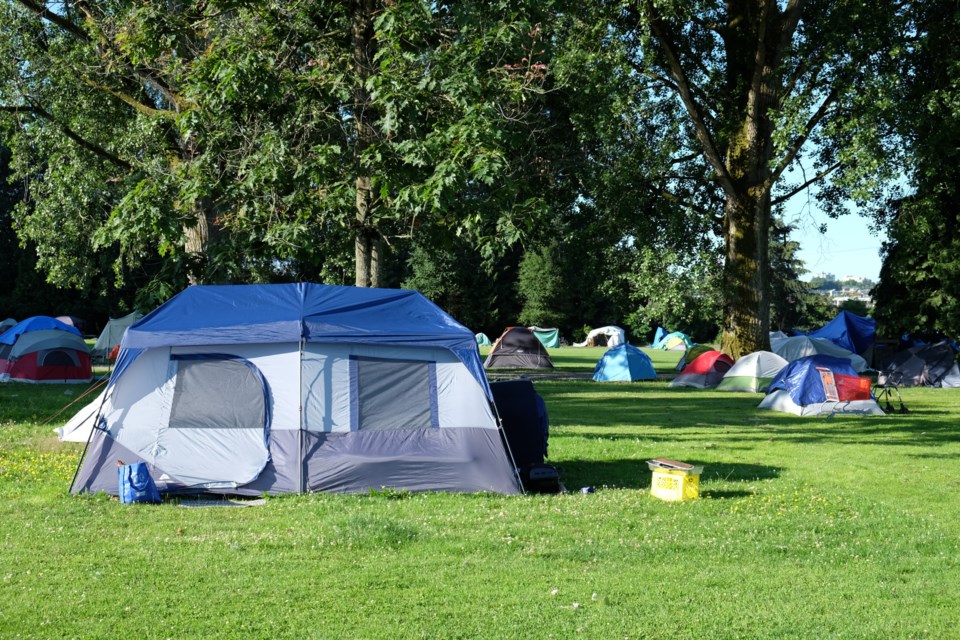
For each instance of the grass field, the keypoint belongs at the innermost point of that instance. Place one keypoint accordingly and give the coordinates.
(807, 528)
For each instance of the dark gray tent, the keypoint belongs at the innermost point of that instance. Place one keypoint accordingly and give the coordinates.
(931, 365)
(518, 348)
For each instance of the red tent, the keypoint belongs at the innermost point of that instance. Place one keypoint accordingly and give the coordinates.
(705, 372)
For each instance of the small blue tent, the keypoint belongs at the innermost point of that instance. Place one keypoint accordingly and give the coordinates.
(292, 388)
(624, 363)
(850, 331)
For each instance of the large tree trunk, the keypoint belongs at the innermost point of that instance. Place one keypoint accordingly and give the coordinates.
(366, 236)
(746, 307)
(753, 49)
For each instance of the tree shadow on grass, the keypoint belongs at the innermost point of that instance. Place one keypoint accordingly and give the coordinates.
(635, 474)
(681, 414)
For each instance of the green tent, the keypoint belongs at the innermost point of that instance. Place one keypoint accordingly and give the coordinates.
(549, 338)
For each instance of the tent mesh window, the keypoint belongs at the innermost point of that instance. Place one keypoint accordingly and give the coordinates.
(393, 394)
(58, 358)
(217, 394)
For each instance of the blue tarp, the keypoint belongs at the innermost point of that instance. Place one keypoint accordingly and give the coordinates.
(802, 381)
(273, 313)
(850, 331)
(624, 362)
(36, 323)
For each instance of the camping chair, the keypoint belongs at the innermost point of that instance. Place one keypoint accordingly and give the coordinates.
(885, 392)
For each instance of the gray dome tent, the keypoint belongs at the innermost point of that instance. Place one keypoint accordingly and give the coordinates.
(518, 348)
(931, 365)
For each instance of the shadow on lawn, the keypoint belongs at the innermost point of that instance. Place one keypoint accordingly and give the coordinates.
(655, 412)
(634, 474)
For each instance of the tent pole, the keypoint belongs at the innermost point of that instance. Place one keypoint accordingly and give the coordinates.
(86, 446)
(301, 457)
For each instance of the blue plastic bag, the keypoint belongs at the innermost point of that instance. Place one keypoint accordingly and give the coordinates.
(136, 485)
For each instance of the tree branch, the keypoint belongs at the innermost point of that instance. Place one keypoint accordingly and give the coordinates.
(794, 149)
(683, 202)
(57, 19)
(694, 110)
(82, 142)
(141, 74)
(128, 99)
(820, 176)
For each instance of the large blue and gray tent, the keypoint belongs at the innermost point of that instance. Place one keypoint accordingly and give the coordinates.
(249, 389)
(624, 363)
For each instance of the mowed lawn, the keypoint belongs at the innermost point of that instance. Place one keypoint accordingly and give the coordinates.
(806, 528)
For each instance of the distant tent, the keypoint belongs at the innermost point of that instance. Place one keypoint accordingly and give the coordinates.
(482, 340)
(932, 365)
(550, 338)
(849, 331)
(802, 346)
(691, 354)
(753, 372)
(705, 372)
(820, 385)
(6, 324)
(674, 341)
(112, 334)
(624, 363)
(609, 336)
(518, 348)
(43, 349)
(73, 321)
(778, 335)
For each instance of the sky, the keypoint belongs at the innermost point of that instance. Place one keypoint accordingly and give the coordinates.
(848, 248)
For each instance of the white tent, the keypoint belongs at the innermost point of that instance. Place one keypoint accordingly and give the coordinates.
(801, 346)
(112, 334)
(613, 336)
(753, 372)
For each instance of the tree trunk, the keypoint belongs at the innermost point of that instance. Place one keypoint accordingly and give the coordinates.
(195, 247)
(366, 236)
(753, 50)
(746, 307)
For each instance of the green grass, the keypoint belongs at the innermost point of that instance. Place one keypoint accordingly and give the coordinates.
(807, 528)
(583, 359)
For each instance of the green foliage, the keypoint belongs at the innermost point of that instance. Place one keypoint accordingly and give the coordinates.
(541, 289)
(858, 307)
(918, 289)
(221, 140)
(677, 292)
(478, 294)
